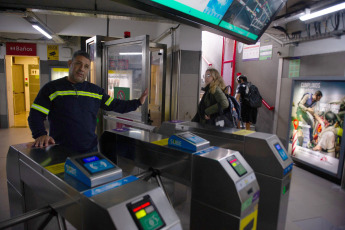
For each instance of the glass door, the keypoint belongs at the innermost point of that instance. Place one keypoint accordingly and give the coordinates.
(126, 75)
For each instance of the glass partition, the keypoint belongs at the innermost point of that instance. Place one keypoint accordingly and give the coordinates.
(126, 73)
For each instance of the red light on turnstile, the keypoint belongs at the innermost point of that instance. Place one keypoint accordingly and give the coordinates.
(141, 206)
(234, 160)
(145, 205)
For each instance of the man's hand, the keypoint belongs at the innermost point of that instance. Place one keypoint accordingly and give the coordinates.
(143, 96)
(43, 141)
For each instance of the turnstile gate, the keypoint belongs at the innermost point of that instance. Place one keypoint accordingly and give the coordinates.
(264, 153)
(224, 193)
(36, 178)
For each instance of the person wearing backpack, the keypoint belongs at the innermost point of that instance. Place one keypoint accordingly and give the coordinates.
(213, 97)
(248, 112)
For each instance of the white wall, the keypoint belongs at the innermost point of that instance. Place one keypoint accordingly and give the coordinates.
(83, 26)
(80, 26)
(65, 51)
(15, 23)
(188, 38)
(212, 47)
(329, 45)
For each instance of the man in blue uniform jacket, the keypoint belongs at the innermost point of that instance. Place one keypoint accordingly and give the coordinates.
(72, 104)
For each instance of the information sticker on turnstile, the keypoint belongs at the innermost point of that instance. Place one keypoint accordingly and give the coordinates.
(188, 141)
(92, 169)
(145, 214)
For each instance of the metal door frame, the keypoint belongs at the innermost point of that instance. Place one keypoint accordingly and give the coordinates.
(96, 57)
(163, 74)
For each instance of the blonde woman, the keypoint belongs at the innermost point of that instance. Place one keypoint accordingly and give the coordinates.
(208, 107)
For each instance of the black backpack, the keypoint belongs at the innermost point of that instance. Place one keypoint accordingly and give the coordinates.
(231, 115)
(253, 97)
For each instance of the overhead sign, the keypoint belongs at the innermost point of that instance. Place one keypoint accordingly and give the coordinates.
(22, 49)
(53, 52)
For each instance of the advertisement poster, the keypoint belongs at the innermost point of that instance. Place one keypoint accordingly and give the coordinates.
(316, 124)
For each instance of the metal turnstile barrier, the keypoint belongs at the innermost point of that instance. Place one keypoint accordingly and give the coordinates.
(264, 153)
(36, 178)
(224, 190)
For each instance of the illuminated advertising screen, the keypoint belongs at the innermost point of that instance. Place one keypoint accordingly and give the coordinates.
(317, 123)
(243, 20)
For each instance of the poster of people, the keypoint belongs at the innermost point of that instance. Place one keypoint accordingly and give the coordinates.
(317, 122)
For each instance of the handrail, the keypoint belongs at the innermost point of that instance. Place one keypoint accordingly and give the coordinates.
(25, 217)
(267, 106)
(208, 63)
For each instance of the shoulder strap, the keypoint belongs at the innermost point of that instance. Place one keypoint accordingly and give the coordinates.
(227, 90)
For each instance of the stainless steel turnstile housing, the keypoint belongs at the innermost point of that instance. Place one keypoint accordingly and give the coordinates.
(272, 172)
(35, 180)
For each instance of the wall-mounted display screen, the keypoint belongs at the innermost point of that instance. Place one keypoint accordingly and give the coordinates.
(243, 20)
(317, 122)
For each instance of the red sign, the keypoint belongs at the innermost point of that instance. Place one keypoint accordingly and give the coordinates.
(23, 49)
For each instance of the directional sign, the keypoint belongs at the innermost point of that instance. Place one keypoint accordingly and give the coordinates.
(23, 49)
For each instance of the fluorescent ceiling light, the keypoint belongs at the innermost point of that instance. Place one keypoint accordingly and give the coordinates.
(328, 10)
(131, 53)
(42, 31)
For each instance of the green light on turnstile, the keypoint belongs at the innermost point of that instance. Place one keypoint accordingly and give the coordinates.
(284, 190)
(151, 221)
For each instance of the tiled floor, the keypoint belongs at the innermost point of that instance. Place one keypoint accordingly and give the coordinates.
(314, 203)
(9, 137)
